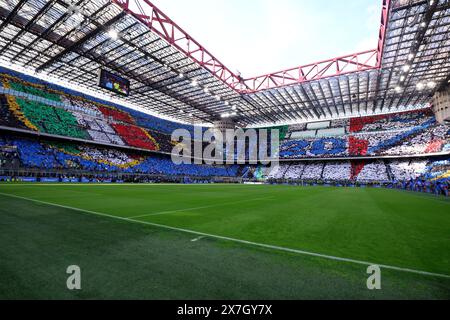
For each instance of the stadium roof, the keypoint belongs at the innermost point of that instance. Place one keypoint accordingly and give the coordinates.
(173, 75)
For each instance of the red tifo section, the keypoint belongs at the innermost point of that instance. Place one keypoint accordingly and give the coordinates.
(358, 147)
(357, 167)
(116, 114)
(357, 124)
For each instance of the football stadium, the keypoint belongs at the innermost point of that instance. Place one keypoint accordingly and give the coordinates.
(135, 165)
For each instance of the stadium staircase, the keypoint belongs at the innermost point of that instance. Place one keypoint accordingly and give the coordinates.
(285, 171)
(390, 174)
(323, 169)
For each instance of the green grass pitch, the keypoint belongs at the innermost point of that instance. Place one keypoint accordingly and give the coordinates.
(221, 242)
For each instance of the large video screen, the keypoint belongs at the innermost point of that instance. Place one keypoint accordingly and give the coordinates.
(114, 83)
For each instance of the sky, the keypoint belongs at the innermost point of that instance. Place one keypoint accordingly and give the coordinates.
(256, 37)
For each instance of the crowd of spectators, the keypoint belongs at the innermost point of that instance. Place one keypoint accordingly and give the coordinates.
(85, 122)
(99, 129)
(78, 116)
(8, 155)
(407, 170)
(136, 137)
(40, 88)
(293, 172)
(51, 120)
(45, 155)
(416, 175)
(388, 122)
(363, 170)
(337, 171)
(413, 133)
(313, 171)
(54, 110)
(436, 187)
(374, 171)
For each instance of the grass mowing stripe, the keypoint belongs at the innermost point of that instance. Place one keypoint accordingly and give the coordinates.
(198, 208)
(261, 245)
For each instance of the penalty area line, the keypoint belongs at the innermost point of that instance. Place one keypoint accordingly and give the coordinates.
(250, 243)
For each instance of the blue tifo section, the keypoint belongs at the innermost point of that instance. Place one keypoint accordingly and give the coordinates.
(33, 155)
(397, 139)
(158, 124)
(328, 146)
(405, 120)
(36, 155)
(142, 119)
(433, 171)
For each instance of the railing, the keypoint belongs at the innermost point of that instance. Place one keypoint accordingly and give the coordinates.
(76, 173)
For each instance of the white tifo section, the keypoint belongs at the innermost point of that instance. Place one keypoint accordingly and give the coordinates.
(342, 170)
(99, 136)
(275, 172)
(98, 129)
(256, 244)
(294, 171)
(375, 171)
(80, 107)
(278, 172)
(113, 156)
(404, 170)
(313, 171)
(333, 132)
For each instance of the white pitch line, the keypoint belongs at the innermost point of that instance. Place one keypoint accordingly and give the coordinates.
(198, 208)
(255, 244)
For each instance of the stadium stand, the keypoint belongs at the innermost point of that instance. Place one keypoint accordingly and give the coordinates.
(313, 171)
(76, 101)
(411, 133)
(337, 171)
(407, 170)
(136, 136)
(364, 170)
(49, 120)
(76, 118)
(375, 171)
(294, 171)
(45, 154)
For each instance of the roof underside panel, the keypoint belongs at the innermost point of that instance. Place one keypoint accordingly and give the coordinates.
(72, 43)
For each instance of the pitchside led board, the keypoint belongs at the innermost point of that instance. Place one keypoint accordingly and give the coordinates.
(114, 83)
